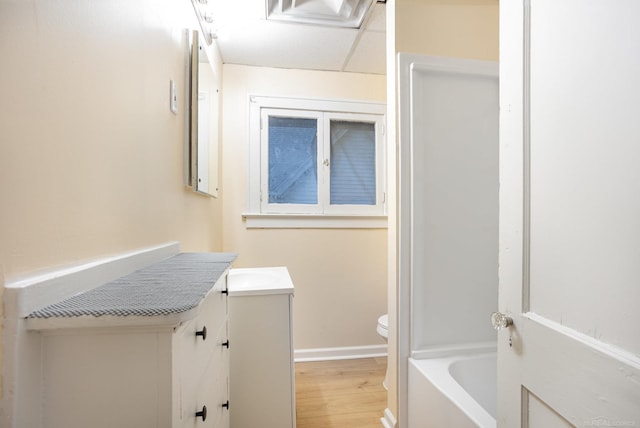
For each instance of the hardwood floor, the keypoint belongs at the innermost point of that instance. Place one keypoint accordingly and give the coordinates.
(340, 394)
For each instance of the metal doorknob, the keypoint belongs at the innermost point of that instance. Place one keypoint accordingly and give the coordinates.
(500, 320)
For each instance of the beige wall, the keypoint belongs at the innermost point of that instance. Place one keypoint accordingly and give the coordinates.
(339, 275)
(90, 154)
(451, 28)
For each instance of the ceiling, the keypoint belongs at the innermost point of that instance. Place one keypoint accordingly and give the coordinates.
(304, 34)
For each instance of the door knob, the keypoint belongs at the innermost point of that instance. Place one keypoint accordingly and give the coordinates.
(500, 320)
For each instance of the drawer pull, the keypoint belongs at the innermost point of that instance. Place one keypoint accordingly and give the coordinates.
(226, 405)
(226, 344)
(202, 413)
(226, 291)
(202, 333)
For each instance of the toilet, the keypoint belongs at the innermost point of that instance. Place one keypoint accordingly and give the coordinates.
(383, 331)
(383, 326)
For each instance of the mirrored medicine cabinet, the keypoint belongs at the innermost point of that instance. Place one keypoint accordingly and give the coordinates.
(204, 112)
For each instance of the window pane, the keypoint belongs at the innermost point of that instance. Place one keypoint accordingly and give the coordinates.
(353, 163)
(293, 158)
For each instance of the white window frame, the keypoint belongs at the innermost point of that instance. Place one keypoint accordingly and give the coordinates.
(261, 214)
(379, 207)
(265, 206)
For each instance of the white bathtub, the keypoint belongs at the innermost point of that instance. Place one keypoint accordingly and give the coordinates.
(455, 392)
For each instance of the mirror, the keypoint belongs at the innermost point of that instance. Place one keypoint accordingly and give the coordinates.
(204, 114)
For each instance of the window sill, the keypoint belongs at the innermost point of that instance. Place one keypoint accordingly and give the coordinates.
(314, 221)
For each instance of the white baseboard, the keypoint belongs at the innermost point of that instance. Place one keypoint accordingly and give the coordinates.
(389, 421)
(340, 353)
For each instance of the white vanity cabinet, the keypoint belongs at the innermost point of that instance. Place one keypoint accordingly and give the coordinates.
(147, 351)
(262, 369)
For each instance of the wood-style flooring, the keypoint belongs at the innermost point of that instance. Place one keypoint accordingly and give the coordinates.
(340, 394)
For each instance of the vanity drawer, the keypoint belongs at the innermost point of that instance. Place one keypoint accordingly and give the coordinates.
(206, 387)
(197, 339)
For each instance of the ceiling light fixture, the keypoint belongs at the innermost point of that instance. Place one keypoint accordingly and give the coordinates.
(204, 13)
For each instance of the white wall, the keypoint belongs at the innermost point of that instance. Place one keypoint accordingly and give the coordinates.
(90, 154)
(339, 274)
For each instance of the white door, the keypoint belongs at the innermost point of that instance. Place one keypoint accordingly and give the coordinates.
(569, 213)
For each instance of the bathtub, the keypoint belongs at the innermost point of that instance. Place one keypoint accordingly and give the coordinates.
(456, 392)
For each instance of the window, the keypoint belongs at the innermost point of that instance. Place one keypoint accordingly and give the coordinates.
(316, 164)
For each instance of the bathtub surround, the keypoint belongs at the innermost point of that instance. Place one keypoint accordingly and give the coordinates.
(456, 28)
(448, 215)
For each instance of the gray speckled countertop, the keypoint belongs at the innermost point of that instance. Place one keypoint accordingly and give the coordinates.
(172, 286)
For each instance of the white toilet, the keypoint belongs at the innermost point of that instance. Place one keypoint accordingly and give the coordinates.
(383, 326)
(383, 330)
